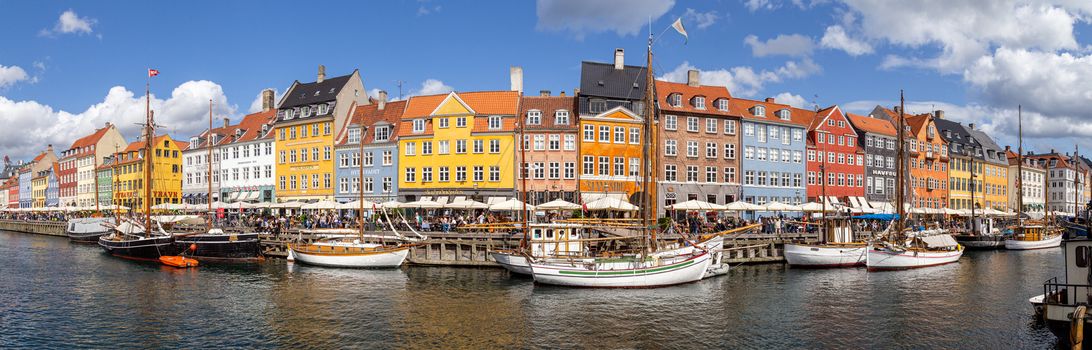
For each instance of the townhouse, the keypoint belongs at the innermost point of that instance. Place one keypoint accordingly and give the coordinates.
(42, 161)
(375, 125)
(549, 149)
(1029, 185)
(79, 162)
(876, 137)
(698, 142)
(1063, 181)
(773, 151)
(106, 180)
(166, 173)
(835, 162)
(308, 115)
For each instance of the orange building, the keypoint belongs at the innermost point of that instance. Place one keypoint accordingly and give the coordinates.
(610, 153)
(928, 158)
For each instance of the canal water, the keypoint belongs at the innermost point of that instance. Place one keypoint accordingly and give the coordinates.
(54, 294)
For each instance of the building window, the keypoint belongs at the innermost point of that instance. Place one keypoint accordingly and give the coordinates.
(534, 117)
(570, 170)
(589, 164)
(722, 104)
(441, 122)
(691, 173)
(730, 151)
(354, 135)
(759, 111)
(710, 174)
(418, 125)
(604, 166)
(460, 146)
(494, 146)
(619, 166)
(692, 124)
(635, 136)
(671, 148)
(692, 149)
(460, 122)
(443, 147)
(589, 133)
(555, 142)
(670, 172)
(411, 174)
(426, 174)
(675, 100)
(443, 174)
(699, 102)
(597, 106)
(494, 122)
(604, 134)
(478, 173)
(619, 134)
(460, 174)
(411, 148)
(711, 149)
(671, 122)
(494, 173)
(426, 148)
(561, 117)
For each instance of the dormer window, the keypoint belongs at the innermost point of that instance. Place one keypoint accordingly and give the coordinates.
(265, 129)
(306, 111)
(322, 108)
(354, 135)
(784, 114)
(418, 125)
(494, 122)
(193, 140)
(534, 117)
(698, 102)
(561, 117)
(675, 100)
(722, 104)
(296, 112)
(597, 106)
(382, 134)
(759, 111)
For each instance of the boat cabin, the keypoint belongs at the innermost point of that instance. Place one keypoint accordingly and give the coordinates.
(1030, 233)
(1060, 299)
(837, 230)
(556, 240)
(984, 225)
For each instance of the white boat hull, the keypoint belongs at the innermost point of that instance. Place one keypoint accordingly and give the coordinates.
(615, 275)
(1053, 242)
(885, 259)
(806, 255)
(390, 259)
(515, 263)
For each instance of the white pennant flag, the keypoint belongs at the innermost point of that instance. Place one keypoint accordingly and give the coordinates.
(679, 28)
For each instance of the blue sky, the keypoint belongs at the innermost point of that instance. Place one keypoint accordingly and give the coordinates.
(70, 66)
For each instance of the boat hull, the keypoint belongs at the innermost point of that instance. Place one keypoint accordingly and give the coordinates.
(1052, 242)
(145, 249)
(514, 263)
(820, 256)
(87, 230)
(880, 259)
(226, 248)
(387, 259)
(981, 242)
(579, 275)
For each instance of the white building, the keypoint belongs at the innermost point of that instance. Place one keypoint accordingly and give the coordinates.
(1062, 180)
(1033, 184)
(242, 160)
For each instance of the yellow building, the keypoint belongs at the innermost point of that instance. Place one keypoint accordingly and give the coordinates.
(978, 171)
(610, 153)
(458, 144)
(166, 173)
(38, 186)
(308, 116)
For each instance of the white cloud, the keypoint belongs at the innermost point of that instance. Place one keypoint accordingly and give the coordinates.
(788, 45)
(33, 125)
(581, 17)
(9, 75)
(743, 80)
(432, 87)
(70, 23)
(755, 5)
(701, 19)
(835, 38)
(1054, 84)
(793, 100)
(964, 31)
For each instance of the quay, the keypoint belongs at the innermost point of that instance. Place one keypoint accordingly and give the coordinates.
(469, 249)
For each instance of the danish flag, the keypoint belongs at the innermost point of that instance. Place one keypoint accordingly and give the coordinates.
(153, 72)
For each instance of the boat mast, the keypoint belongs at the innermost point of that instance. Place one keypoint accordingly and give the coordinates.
(974, 227)
(822, 180)
(360, 178)
(899, 167)
(1076, 181)
(114, 186)
(149, 136)
(95, 171)
(524, 171)
(208, 145)
(649, 211)
(1020, 166)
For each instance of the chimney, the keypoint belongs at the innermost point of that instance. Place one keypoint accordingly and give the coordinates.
(321, 73)
(619, 59)
(225, 122)
(971, 126)
(516, 75)
(692, 78)
(50, 148)
(108, 124)
(897, 109)
(770, 100)
(562, 94)
(382, 99)
(544, 93)
(267, 99)
(1008, 148)
(939, 114)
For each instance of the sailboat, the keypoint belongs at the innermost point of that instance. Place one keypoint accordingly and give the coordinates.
(1035, 235)
(341, 250)
(144, 241)
(215, 245)
(836, 246)
(647, 267)
(900, 249)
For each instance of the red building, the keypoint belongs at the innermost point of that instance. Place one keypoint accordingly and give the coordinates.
(13, 192)
(66, 179)
(833, 150)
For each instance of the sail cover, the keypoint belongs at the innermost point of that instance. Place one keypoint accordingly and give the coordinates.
(939, 241)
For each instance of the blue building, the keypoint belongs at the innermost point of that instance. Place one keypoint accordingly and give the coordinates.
(773, 146)
(380, 137)
(52, 192)
(26, 194)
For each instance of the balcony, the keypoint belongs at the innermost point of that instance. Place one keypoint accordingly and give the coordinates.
(930, 155)
(914, 152)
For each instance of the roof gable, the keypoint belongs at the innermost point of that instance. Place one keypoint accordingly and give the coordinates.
(452, 105)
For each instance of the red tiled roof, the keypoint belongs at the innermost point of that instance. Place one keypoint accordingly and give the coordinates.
(549, 105)
(872, 125)
(484, 103)
(371, 115)
(88, 141)
(664, 89)
(251, 125)
(742, 108)
(139, 145)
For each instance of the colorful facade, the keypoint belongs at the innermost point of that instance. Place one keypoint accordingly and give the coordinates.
(27, 173)
(66, 175)
(166, 173)
(380, 122)
(773, 151)
(79, 163)
(1030, 186)
(105, 174)
(550, 148)
(928, 157)
(835, 161)
(876, 137)
(458, 144)
(698, 133)
(611, 150)
(1063, 181)
(308, 116)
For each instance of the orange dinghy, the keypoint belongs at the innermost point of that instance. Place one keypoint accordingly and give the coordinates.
(177, 261)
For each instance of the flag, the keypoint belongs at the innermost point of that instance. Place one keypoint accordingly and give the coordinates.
(679, 28)
(152, 72)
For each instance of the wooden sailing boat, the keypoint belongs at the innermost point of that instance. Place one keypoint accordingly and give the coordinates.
(1034, 235)
(836, 246)
(650, 267)
(215, 245)
(342, 250)
(133, 240)
(901, 249)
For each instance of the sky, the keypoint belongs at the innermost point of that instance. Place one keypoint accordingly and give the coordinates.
(68, 67)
